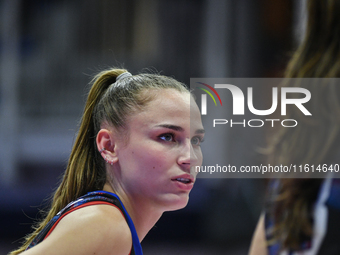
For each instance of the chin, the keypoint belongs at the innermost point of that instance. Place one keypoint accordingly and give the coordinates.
(177, 203)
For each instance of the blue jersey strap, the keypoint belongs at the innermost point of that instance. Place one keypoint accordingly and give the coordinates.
(135, 240)
(89, 198)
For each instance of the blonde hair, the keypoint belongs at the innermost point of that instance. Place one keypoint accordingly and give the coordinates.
(108, 101)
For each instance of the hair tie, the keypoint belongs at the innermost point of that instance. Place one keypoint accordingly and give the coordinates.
(123, 76)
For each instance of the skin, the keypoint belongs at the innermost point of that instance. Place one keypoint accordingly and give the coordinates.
(258, 243)
(163, 144)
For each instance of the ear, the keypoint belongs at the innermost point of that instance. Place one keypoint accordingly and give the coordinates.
(106, 144)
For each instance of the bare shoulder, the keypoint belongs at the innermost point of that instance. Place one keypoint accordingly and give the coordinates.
(259, 244)
(95, 229)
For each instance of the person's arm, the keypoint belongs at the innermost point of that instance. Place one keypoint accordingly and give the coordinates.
(258, 244)
(99, 229)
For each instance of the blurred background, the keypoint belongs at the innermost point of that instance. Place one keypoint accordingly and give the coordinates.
(49, 51)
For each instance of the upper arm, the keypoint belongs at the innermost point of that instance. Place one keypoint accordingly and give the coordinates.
(258, 244)
(99, 229)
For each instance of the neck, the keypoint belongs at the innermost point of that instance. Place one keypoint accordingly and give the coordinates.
(144, 216)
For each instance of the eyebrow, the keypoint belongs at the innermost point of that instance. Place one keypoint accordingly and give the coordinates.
(200, 131)
(180, 129)
(173, 127)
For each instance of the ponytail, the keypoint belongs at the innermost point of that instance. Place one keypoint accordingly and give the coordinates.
(84, 172)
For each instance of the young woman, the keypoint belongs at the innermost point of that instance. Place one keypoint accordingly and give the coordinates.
(139, 137)
(302, 215)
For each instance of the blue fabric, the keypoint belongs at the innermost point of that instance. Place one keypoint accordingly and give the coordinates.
(135, 240)
(89, 197)
(334, 196)
(332, 203)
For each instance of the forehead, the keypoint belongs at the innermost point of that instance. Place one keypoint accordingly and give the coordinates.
(168, 101)
(167, 105)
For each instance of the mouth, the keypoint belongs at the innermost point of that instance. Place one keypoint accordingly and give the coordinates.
(183, 180)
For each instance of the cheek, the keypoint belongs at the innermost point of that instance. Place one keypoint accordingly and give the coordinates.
(157, 165)
(156, 162)
(199, 156)
(149, 159)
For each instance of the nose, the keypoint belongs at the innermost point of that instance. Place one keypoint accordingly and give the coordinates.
(187, 156)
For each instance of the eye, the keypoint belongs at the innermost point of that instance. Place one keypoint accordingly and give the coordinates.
(197, 140)
(167, 137)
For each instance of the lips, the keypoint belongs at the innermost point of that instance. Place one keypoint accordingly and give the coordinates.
(185, 181)
(185, 178)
